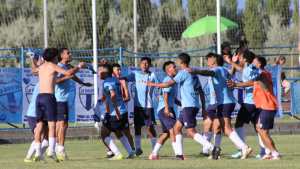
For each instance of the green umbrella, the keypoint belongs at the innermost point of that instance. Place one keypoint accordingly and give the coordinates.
(207, 25)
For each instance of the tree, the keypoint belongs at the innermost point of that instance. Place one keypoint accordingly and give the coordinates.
(280, 8)
(201, 8)
(254, 28)
(126, 7)
(295, 17)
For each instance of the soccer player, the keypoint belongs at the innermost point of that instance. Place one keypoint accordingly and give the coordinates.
(166, 112)
(143, 103)
(225, 100)
(62, 88)
(46, 102)
(190, 104)
(116, 117)
(266, 102)
(31, 114)
(126, 97)
(248, 112)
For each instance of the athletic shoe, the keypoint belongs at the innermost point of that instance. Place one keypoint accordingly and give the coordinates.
(109, 154)
(153, 157)
(246, 152)
(278, 157)
(61, 156)
(53, 157)
(117, 157)
(204, 154)
(258, 156)
(131, 155)
(36, 158)
(138, 152)
(267, 157)
(216, 153)
(179, 157)
(237, 155)
(30, 160)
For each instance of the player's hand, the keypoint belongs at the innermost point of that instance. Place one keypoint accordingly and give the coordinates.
(235, 58)
(168, 113)
(126, 99)
(97, 125)
(118, 114)
(231, 83)
(81, 65)
(87, 84)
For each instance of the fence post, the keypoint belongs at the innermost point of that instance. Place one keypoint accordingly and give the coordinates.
(121, 56)
(22, 59)
(22, 65)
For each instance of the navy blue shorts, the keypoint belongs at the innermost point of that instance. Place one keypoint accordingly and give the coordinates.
(247, 113)
(188, 117)
(144, 116)
(113, 124)
(211, 111)
(46, 107)
(62, 111)
(266, 119)
(167, 122)
(225, 110)
(31, 122)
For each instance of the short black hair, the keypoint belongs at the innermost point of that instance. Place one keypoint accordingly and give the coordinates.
(262, 61)
(219, 58)
(167, 63)
(249, 56)
(60, 52)
(185, 58)
(108, 67)
(147, 59)
(116, 65)
(50, 54)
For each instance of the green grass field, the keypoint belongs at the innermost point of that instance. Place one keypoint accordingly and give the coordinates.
(90, 154)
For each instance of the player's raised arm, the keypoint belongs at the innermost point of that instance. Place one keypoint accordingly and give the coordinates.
(161, 85)
(203, 72)
(232, 84)
(70, 71)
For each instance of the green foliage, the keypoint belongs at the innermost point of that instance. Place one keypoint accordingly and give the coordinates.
(253, 23)
(281, 8)
(201, 8)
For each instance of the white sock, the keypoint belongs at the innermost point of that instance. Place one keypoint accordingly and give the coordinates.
(275, 153)
(31, 150)
(52, 143)
(200, 139)
(37, 149)
(153, 142)
(156, 148)
(261, 143)
(218, 140)
(241, 132)
(60, 148)
(179, 144)
(44, 146)
(174, 147)
(207, 135)
(237, 141)
(267, 151)
(126, 144)
(109, 141)
(137, 141)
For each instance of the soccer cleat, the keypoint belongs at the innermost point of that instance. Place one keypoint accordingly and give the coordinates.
(216, 153)
(246, 152)
(237, 155)
(138, 152)
(278, 157)
(61, 156)
(131, 155)
(258, 156)
(153, 157)
(53, 157)
(30, 160)
(36, 159)
(109, 154)
(117, 157)
(267, 157)
(179, 157)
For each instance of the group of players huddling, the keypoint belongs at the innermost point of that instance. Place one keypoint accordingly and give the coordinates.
(48, 111)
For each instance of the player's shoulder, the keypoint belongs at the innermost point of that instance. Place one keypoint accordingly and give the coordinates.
(167, 78)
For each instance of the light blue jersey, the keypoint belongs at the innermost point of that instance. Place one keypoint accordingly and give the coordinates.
(250, 72)
(112, 83)
(224, 95)
(62, 89)
(188, 86)
(212, 93)
(143, 93)
(31, 108)
(171, 95)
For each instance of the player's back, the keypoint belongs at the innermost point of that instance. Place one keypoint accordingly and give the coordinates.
(47, 76)
(224, 95)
